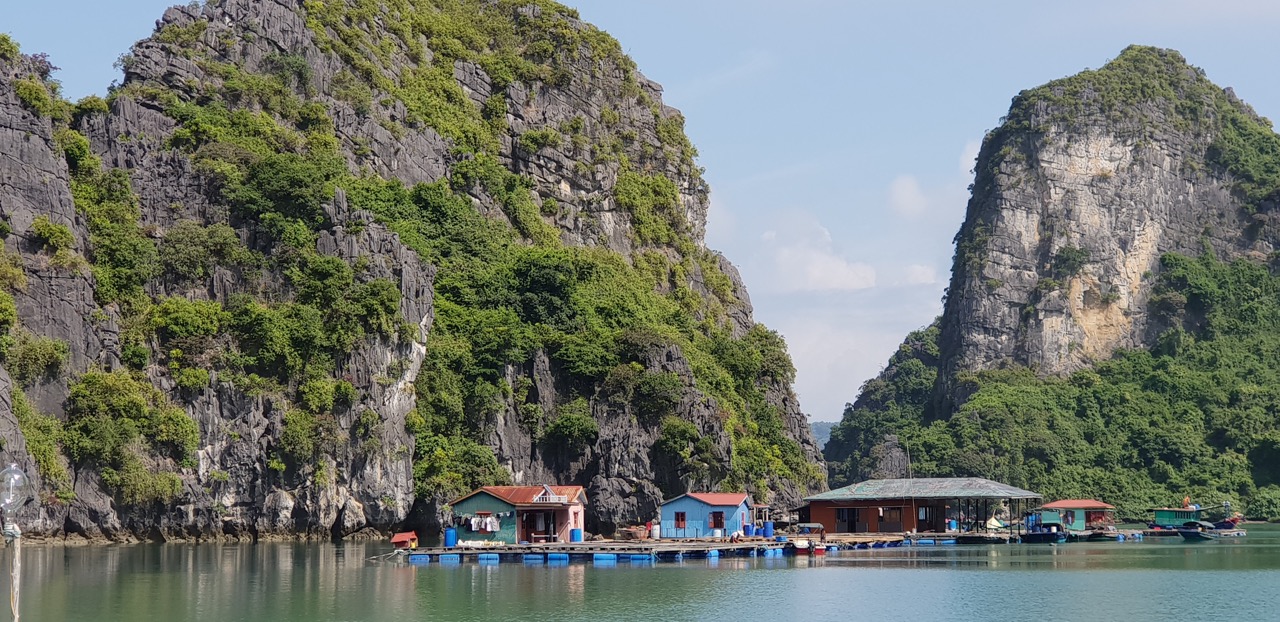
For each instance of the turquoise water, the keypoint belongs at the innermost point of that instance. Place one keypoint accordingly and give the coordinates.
(1152, 580)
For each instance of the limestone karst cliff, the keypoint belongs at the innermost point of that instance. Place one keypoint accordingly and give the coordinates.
(312, 269)
(1108, 312)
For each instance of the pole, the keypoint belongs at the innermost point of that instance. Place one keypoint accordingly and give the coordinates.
(12, 537)
(13, 580)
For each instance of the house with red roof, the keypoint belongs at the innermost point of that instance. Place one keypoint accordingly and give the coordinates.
(1079, 514)
(705, 514)
(515, 514)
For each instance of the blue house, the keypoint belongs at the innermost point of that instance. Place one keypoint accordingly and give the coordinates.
(703, 514)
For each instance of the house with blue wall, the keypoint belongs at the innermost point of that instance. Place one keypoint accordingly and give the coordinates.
(513, 514)
(701, 514)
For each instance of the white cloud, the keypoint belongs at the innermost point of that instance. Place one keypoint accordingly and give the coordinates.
(804, 258)
(906, 197)
(968, 155)
(813, 269)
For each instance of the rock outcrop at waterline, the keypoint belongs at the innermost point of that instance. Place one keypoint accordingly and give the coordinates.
(237, 340)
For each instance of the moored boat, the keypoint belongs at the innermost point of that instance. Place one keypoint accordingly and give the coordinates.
(1043, 533)
(1188, 521)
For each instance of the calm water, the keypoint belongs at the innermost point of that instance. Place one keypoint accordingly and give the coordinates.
(1152, 580)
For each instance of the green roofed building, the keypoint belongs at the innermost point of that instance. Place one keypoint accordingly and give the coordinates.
(937, 504)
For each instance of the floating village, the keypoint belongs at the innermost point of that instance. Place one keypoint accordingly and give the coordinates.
(544, 524)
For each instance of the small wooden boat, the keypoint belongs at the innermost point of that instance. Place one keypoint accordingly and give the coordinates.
(1196, 531)
(1104, 536)
(1044, 537)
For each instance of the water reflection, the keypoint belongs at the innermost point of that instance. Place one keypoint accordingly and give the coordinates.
(316, 582)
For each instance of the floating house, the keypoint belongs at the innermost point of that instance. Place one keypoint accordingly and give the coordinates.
(405, 540)
(515, 514)
(1078, 514)
(706, 514)
(916, 505)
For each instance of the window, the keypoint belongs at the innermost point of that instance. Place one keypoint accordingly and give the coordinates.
(717, 520)
(680, 520)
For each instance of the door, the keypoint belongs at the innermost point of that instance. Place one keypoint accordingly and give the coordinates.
(717, 520)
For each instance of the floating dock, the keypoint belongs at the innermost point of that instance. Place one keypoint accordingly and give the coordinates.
(640, 551)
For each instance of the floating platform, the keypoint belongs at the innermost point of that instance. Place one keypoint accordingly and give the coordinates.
(600, 553)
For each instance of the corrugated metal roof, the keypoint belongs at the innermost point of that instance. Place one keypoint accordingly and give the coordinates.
(1078, 504)
(720, 498)
(925, 488)
(525, 495)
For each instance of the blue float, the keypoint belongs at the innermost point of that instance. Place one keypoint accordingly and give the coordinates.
(533, 558)
(420, 558)
(451, 558)
(557, 557)
(604, 557)
(488, 559)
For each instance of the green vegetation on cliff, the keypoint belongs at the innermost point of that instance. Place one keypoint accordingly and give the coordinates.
(506, 290)
(1192, 416)
(1145, 87)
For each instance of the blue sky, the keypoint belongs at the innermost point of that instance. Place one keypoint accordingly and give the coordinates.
(838, 136)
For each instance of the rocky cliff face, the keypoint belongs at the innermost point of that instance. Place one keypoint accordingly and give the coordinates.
(259, 263)
(1077, 196)
(1087, 198)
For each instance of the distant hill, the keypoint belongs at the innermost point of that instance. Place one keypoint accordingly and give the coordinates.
(821, 431)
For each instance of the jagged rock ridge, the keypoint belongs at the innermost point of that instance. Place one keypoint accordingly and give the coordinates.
(216, 95)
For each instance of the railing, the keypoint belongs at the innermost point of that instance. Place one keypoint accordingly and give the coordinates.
(551, 499)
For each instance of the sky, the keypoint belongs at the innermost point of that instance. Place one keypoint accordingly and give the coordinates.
(838, 136)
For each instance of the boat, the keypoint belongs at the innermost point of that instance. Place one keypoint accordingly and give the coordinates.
(1104, 535)
(1188, 521)
(1041, 529)
(811, 546)
(1198, 531)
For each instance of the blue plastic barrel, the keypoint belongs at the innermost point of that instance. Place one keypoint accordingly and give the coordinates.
(575, 535)
(748, 530)
(558, 557)
(768, 529)
(488, 558)
(450, 537)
